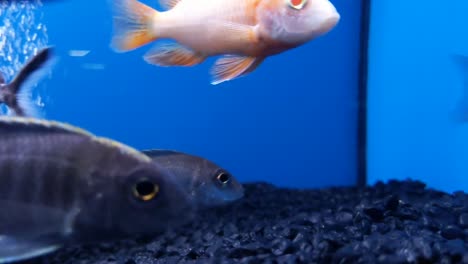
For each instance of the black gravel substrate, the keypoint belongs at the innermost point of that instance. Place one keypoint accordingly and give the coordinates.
(397, 222)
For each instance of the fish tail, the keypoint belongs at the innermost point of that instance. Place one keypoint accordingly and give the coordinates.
(17, 94)
(132, 25)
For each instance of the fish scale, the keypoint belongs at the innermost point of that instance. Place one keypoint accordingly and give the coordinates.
(35, 167)
(225, 10)
(7, 180)
(22, 184)
(43, 161)
(197, 26)
(30, 181)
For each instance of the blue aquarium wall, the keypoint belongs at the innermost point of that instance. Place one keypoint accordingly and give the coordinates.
(415, 93)
(292, 122)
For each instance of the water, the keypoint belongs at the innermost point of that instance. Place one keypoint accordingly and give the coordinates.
(306, 118)
(292, 122)
(415, 88)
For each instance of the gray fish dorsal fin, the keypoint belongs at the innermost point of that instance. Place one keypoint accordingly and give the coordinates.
(15, 124)
(168, 4)
(33, 125)
(160, 152)
(10, 123)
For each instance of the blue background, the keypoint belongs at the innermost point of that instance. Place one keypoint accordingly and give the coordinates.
(414, 92)
(292, 122)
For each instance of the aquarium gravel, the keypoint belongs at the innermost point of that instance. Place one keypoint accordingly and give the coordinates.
(395, 222)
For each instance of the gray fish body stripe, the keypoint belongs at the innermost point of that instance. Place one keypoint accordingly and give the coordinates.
(63, 170)
(84, 181)
(38, 181)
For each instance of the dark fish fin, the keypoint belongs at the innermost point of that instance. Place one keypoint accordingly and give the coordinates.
(160, 152)
(461, 109)
(2, 78)
(30, 230)
(25, 124)
(14, 249)
(34, 126)
(17, 93)
(460, 113)
(231, 67)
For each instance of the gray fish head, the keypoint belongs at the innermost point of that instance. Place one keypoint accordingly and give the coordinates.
(149, 199)
(206, 183)
(216, 187)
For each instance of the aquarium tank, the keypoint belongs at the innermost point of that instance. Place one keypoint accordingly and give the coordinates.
(295, 118)
(270, 131)
(417, 87)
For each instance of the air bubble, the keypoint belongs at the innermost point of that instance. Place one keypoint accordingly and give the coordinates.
(23, 39)
(23, 35)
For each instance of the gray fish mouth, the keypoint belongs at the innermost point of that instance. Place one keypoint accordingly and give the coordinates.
(216, 201)
(235, 196)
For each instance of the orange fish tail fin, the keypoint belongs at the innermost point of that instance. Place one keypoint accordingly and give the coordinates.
(133, 25)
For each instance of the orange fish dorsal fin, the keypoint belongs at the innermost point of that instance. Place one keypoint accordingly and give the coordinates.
(168, 4)
(172, 55)
(230, 67)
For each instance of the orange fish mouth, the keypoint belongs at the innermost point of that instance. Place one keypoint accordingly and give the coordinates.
(317, 24)
(329, 24)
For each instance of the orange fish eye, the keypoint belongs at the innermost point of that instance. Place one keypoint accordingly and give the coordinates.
(297, 4)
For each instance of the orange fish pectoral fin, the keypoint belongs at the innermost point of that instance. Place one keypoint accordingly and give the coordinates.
(132, 25)
(173, 55)
(230, 67)
(234, 33)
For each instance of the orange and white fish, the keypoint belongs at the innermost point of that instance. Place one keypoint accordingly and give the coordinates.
(244, 31)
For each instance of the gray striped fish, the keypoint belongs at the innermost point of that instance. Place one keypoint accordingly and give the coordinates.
(208, 184)
(61, 185)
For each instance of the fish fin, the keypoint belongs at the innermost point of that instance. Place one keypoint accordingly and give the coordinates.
(230, 67)
(15, 125)
(460, 113)
(132, 25)
(160, 152)
(173, 55)
(17, 94)
(19, 249)
(168, 4)
(25, 124)
(234, 32)
(30, 230)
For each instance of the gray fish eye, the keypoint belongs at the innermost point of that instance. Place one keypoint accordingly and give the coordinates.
(223, 178)
(145, 190)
